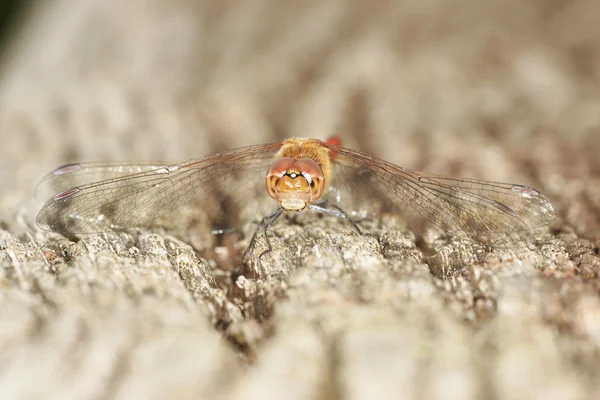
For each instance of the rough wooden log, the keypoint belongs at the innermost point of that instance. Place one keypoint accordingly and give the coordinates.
(498, 91)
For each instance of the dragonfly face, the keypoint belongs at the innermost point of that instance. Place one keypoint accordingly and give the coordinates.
(295, 183)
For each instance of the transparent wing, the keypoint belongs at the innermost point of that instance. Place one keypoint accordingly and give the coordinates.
(492, 213)
(139, 198)
(71, 175)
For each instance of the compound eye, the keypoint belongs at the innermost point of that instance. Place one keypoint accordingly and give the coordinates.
(280, 167)
(294, 183)
(277, 170)
(312, 172)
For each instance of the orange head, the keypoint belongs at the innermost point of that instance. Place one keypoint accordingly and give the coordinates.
(295, 183)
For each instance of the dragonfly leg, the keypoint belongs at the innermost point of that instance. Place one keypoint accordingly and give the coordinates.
(264, 224)
(338, 212)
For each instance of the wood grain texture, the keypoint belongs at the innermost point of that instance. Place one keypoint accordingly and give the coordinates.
(489, 90)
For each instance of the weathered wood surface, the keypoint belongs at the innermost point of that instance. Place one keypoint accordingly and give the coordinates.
(495, 90)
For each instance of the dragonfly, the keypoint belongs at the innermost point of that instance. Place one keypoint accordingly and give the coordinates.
(298, 174)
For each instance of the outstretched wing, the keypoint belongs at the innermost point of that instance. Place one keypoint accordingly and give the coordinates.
(127, 198)
(492, 213)
(77, 174)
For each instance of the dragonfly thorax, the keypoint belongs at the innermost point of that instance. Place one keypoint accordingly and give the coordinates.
(295, 183)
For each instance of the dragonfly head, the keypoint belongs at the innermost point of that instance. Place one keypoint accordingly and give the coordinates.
(295, 183)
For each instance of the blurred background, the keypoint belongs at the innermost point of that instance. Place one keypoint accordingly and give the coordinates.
(499, 90)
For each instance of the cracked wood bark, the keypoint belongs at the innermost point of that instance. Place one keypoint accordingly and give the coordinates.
(167, 312)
